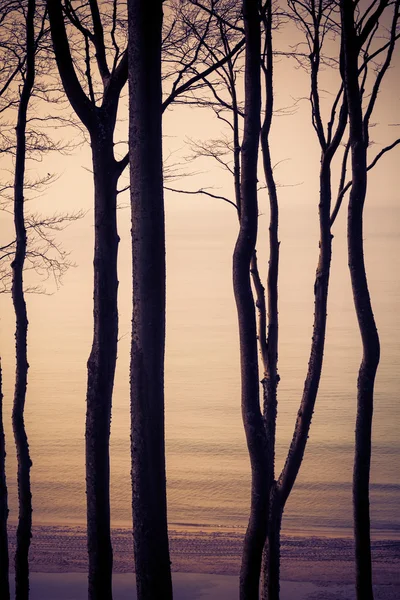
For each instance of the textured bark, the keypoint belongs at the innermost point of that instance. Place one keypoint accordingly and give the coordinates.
(362, 303)
(281, 489)
(101, 364)
(271, 552)
(100, 123)
(24, 529)
(286, 480)
(4, 559)
(149, 506)
(243, 253)
(271, 556)
(270, 357)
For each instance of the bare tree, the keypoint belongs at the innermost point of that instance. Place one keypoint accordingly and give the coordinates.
(97, 110)
(4, 558)
(24, 530)
(357, 31)
(8, 72)
(153, 574)
(318, 22)
(94, 90)
(269, 495)
(22, 38)
(243, 253)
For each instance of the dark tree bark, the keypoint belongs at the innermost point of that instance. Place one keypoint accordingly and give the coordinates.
(271, 552)
(352, 41)
(101, 363)
(149, 506)
(4, 559)
(271, 378)
(100, 123)
(24, 529)
(329, 143)
(362, 302)
(243, 253)
(282, 488)
(99, 118)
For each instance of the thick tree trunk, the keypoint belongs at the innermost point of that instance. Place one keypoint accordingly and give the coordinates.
(101, 365)
(362, 302)
(243, 253)
(24, 529)
(4, 560)
(100, 123)
(149, 506)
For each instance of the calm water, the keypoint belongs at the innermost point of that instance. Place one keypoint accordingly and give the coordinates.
(207, 464)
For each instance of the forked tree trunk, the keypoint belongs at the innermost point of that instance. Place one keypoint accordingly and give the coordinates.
(24, 529)
(149, 506)
(281, 489)
(4, 560)
(243, 253)
(362, 302)
(101, 365)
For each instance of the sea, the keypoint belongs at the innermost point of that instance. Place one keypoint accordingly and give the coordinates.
(208, 471)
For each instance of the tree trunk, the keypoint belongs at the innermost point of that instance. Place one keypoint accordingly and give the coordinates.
(24, 529)
(295, 456)
(362, 303)
(270, 356)
(21, 440)
(272, 549)
(100, 123)
(101, 365)
(149, 505)
(243, 253)
(4, 560)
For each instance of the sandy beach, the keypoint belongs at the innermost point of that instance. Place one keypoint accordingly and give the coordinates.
(206, 563)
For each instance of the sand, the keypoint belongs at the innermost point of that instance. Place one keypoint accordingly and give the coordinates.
(205, 565)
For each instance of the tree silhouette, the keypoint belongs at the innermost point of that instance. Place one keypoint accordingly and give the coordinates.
(96, 105)
(149, 507)
(24, 530)
(32, 245)
(4, 557)
(358, 32)
(97, 109)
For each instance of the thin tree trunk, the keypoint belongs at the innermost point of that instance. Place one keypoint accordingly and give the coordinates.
(243, 253)
(271, 378)
(284, 485)
(362, 302)
(24, 529)
(282, 488)
(4, 560)
(101, 365)
(365, 390)
(149, 506)
(272, 548)
(271, 552)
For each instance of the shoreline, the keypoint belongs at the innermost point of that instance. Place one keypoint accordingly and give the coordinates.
(189, 586)
(210, 551)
